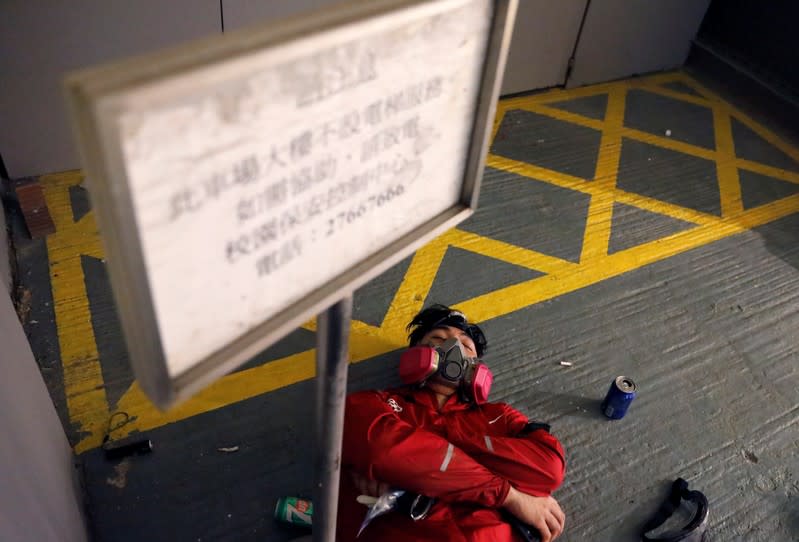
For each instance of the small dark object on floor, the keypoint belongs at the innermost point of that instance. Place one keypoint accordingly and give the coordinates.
(124, 448)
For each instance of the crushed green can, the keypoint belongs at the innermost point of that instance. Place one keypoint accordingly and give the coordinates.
(294, 510)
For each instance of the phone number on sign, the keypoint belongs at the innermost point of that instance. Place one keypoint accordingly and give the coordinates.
(353, 214)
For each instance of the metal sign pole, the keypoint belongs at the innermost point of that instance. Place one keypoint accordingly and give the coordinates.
(332, 353)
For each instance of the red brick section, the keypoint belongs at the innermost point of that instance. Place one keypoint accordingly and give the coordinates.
(34, 208)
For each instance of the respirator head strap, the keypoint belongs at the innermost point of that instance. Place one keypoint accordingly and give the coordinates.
(439, 316)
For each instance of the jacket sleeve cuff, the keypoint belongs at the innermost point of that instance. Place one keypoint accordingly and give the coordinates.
(501, 496)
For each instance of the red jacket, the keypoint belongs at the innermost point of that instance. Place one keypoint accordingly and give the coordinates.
(465, 456)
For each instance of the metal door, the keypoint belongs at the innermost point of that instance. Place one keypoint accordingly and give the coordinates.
(543, 41)
(621, 38)
(543, 37)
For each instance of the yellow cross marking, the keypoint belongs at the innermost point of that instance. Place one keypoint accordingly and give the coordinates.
(600, 211)
(83, 377)
(83, 380)
(726, 170)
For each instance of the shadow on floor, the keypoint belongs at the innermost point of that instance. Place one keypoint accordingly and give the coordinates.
(781, 238)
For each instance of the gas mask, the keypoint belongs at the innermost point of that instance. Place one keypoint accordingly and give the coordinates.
(447, 364)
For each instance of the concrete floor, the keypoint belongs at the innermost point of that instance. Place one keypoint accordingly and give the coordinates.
(645, 227)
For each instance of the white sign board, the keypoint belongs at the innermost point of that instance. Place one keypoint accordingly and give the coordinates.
(243, 183)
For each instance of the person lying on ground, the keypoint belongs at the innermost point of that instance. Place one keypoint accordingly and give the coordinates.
(484, 465)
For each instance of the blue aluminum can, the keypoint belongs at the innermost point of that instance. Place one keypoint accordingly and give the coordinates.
(619, 397)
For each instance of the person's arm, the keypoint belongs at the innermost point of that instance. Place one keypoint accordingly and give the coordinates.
(381, 446)
(543, 513)
(530, 458)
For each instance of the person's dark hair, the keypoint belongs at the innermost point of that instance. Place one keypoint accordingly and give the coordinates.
(440, 316)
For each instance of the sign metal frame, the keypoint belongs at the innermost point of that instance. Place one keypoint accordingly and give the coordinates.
(113, 206)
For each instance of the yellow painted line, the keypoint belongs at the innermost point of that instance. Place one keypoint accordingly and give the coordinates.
(677, 95)
(752, 124)
(765, 133)
(84, 389)
(558, 95)
(280, 373)
(566, 116)
(656, 79)
(284, 372)
(310, 325)
(505, 252)
(87, 402)
(519, 296)
(631, 133)
(498, 118)
(234, 387)
(600, 210)
(670, 144)
(691, 83)
(638, 135)
(726, 170)
(769, 171)
(769, 212)
(580, 185)
(365, 342)
(357, 327)
(537, 172)
(537, 104)
(563, 278)
(665, 208)
(412, 292)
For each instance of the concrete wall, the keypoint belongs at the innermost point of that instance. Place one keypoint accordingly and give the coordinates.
(5, 263)
(41, 45)
(41, 42)
(239, 13)
(39, 495)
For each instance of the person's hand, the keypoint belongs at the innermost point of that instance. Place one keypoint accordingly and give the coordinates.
(365, 486)
(543, 513)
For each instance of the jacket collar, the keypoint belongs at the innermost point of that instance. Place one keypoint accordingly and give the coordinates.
(427, 397)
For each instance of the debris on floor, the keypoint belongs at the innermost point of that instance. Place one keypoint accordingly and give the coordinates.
(34, 208)
(121, 478)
